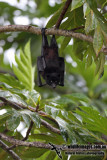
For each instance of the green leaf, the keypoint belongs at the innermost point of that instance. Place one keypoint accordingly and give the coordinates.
(88, 23)
(91, 22)
(44, 156)
(26, 119)
(11, 81)
(25, 71)
(79, 51)
(27, 52)
(93, 6)
(21, 76)
(93, 120)
(54, 111)
(33, 116)
(80, 97)
(99, 16)
(89, 61)
(98, 40)
(33, 97)
(66, 130)
(86, 9)
(32, 153)
(12, 97)
(22, 97)
(76, 4)
(63, 101)
(65, 43)
(13, 122)
(98, 64)
(102, 62)
(54, 18)
(5, 115)
(51, 156)
(89, 56)
(67, 23)
(67, 100)
(45, 137)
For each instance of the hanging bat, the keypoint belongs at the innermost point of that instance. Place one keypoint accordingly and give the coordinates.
(49, 65)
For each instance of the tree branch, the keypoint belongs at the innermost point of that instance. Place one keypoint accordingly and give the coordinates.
(14, 105)
(47, 125)
(51, 31)
(2, 104)
(17, 142)
(12, 153)
(67, 3)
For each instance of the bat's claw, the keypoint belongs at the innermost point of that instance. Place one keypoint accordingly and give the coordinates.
(43, 31)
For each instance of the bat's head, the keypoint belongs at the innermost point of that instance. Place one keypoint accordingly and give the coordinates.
(53, 78)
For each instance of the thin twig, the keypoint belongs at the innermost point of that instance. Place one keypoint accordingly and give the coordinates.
(12, 153)
(28, 131)
(51, 31)
(26, 137)
(67, 3)
(77, 28)
(7, 72)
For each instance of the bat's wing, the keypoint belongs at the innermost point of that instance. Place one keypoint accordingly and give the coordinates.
(41, 64)
(40, 69)
(53, 44)
(44, 41)
(62, 69)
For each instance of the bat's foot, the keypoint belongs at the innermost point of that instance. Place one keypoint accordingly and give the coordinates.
(43, 31)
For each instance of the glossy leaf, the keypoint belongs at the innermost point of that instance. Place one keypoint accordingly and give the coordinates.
(31, 153)
(93, 6)
(33, 97)
(13, 122)
(26, 119)
(33, 116)
(45, 138)
(98, 40)
(6, 115)
(90, 54)
(25, 71)
(12, 97)
(65, 43)
(76, 4)
(91, 22)
(51, 110)
(11, 81)
(53, 19)
(102, 62)
(86, 9)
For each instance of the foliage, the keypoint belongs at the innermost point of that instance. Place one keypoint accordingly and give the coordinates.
(78, 109)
